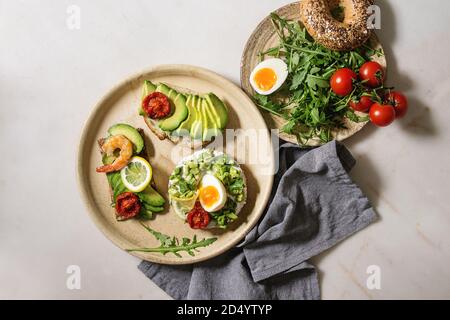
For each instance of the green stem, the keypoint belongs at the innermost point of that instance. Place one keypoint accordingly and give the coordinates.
(189, 247)
(307, 50)
(271, 111)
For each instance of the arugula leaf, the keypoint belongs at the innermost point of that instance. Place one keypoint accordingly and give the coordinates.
(297, 80)
(315, 115)
(315, 82)
(172, 245)
(289, 127)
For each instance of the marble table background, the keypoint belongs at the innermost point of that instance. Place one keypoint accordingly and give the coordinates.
(51, 76)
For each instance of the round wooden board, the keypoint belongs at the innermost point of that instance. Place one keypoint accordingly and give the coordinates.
(120, 106)
(265, 37)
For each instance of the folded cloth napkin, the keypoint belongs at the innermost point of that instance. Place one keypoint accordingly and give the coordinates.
(313, 206)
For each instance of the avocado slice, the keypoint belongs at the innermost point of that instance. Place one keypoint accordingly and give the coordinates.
(153, 209)
(219, 109)
(130, 133)
(178, 103)
(205, 122)
(185, 127)
(148, 88)
(210, 124)
(197, 128)
(151, 197)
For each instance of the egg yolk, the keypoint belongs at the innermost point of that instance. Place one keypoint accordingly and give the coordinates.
(209, 195)
(265, 78)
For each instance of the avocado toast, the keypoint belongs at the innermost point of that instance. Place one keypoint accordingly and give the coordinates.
(145, 202)
(194, 120)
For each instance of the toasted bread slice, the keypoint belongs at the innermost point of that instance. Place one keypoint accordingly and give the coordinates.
(142, 154)
(153, 125)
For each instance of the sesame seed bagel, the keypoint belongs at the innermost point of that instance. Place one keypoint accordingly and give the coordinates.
(351, 33)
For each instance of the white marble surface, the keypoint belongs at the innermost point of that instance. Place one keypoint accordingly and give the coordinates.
(50, 77)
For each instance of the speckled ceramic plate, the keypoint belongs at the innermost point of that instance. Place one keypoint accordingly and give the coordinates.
(120, 105)
(265, 37)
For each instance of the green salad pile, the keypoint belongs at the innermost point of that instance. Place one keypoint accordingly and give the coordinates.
(306, 101)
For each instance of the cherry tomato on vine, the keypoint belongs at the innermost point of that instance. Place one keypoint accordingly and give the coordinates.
(382, 115)
(372, 72)
(363, 105)
(341, 81)
(399, 102)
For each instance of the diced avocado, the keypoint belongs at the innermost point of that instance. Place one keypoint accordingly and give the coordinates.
(212, 128)
(151, 197)
(185, 127)
(148, 88)
(178, 103)
(197, 128)
(219, 109)
(130, 133)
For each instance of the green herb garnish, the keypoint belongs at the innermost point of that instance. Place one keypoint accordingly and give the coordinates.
(306, 100)
(173, 245)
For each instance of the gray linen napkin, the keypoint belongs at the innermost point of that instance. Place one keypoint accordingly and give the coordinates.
(314, 205)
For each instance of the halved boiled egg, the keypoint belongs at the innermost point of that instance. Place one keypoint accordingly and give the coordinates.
(212, 193)
(268, 76)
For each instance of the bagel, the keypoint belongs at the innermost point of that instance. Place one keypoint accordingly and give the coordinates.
(349, 34)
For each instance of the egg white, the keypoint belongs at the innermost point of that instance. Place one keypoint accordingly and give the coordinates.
(210, 180)
(278, 66)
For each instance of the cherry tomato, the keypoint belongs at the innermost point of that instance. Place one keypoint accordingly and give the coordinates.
(373, 73)
(198, 218)
(399, 102)
(127, 205)
(363, 105)
(341, 81)
(382, 115)
(156, 105)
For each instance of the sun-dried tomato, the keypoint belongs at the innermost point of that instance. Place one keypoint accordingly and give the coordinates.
(198, 218)
(127, 205)
(156, 105)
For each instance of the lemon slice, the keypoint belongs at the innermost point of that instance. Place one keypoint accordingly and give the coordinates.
(191, 199)
(136, 176)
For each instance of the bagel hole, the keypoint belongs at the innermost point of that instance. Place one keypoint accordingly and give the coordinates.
(337, 9)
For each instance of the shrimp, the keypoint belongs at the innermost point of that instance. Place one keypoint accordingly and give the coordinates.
(126, 151)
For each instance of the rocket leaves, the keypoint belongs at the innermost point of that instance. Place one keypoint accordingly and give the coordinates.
(173, 245)
(306, 100)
